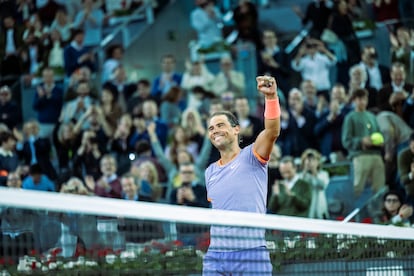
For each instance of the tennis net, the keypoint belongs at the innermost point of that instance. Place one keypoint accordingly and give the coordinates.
(47, 233)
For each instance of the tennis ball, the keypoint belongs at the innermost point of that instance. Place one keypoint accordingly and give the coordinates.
(377, 139)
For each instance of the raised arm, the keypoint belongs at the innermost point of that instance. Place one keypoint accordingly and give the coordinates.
(267, 137)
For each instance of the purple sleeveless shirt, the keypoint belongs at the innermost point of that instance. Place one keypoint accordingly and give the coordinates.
(240, 185)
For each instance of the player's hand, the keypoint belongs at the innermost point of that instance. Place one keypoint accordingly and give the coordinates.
(267, 86)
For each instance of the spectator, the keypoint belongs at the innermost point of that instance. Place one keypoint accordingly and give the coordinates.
(83, 74)
(35, 150)
(32, 53)
(319, 179)
(192, 122)
(37, 180)
(11, 42)
(250, 126)
(394, 210)
(48, 10)
(408, 109)
(273, 61)
(385, 10)
(291, 196)
(167, 79)
(142, 93)
(66, 145)
(180, 141)
(109, 184)
(329, 125)
(246, 17)
(273, 169)
(297, 124)
(119, 145)
(73, 110)
(197, 74)
(200, 99)
(170, 111)
(366, 156)
(9, 160)
(14, 180)
(396, 137)
(228, 79)
(120, 83)
(147, 174)
(359, 79)
(62, 24)
(406, 169)
(48, 103)
(318, 103)
(86, 158)
(205, 19)
(114, 55)
(54, 56)
(74, 186)
(314, 61)
(76, 54)
(402, 44)
(91, 20)
(377, 74)
(317, 13)
(191, 192)
(10, 113)
(110, 106)
(397, 85)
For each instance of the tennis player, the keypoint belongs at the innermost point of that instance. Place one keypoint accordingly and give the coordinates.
(238, 181)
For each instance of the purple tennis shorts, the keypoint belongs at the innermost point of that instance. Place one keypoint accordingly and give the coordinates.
(254, 261)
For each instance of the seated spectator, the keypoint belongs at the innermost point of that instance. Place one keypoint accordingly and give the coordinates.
(148, 180)
(66, 144)
(142, 93)
(35, 150)
(124, 88)
(77, 55)
(109, 184)
(86, 158)
(192, 122)
(180, 141)
(358, 78)
(54, 53)
(9, 160)
(83, 74)
(10, 113)
(48, 103)
(197, 74)
(228, 79)
(394, 210)
(37, 180)
(74, 186)
(32, 54)
(291, 196)
(111, 109)
(319, 179)
(114, 55)
(401, 48)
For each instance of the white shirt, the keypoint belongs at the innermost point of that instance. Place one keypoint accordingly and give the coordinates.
(316, 69)
(374, 74)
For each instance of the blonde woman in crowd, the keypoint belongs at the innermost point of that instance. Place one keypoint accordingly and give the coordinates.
(148, 180)
(312, 173)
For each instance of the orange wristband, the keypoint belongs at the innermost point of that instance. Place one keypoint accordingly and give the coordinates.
(272, 109)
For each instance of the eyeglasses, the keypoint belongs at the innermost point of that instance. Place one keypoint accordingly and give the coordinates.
(392, 200)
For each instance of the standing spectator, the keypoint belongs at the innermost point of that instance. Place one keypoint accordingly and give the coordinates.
(54, 56)
(76, 54)
(406, 169)
(397, 85)
(38, 181)
(32, 54)
(36, 150)
(73, 110)
(273, 61)
(377, 74)
(11, 42)
(109, 184)
(86, 158)
(317, 13)
(246, 17)
(291, 196)
(83, 74)
(396, 137)
(228, 79)
(314, 62)
(10, 113)
(329, 125)
(319, 179)
(167, 79)
(366, 157)
(90, 19)
(48, 103)
(148, 180)
(205, 19)
(62, 24)
(120, 83)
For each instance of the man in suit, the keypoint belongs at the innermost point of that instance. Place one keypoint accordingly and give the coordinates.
(377, 74)
(397, 85)
(11, 41)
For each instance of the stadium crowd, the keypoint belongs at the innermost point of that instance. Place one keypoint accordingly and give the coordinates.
(108, 136)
